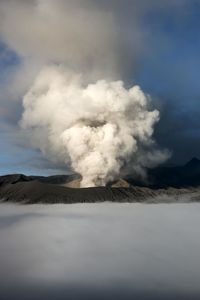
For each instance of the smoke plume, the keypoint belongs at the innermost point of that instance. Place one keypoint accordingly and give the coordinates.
(96, 127)
(78, 111)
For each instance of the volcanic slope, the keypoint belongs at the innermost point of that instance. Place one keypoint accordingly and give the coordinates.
(60, 189)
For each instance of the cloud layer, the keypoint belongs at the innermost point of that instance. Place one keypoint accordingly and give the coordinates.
(101, 250)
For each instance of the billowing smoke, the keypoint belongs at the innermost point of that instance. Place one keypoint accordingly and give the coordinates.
(78, 111)
(96, 127)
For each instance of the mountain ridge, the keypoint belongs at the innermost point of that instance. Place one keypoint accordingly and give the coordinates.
(163, 182)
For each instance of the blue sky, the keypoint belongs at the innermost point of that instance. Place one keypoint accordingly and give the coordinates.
(167, 68)
(171, 73)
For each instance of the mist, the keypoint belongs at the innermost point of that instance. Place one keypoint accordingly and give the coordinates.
(87, 251)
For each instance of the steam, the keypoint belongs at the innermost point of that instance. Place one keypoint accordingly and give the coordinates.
(96, 127)
(77, 111)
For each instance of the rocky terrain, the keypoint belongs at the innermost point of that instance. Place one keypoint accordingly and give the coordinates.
(177, 184)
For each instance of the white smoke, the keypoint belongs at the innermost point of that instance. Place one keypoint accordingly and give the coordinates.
(76, 112)
(96, 127)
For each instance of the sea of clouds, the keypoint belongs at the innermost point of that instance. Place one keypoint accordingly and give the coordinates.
(100, 251)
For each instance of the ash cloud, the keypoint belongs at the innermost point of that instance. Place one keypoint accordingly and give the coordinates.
(99, 42)
(96, 128)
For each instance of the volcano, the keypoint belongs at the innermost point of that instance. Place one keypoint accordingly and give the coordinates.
(165, 182)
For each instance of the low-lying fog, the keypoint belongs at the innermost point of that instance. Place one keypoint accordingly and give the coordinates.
(100, 251)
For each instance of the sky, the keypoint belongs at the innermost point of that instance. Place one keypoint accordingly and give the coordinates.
(159, 46)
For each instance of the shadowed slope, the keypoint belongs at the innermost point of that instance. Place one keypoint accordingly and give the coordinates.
(35, 192)
(174, 182)
(39, 192)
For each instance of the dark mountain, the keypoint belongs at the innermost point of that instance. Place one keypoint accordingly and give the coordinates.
(193, 163)
(55, 179)
(163, 182)
(187, 175)
(39, 192)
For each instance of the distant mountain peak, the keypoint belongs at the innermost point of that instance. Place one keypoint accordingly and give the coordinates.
(193, 162)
